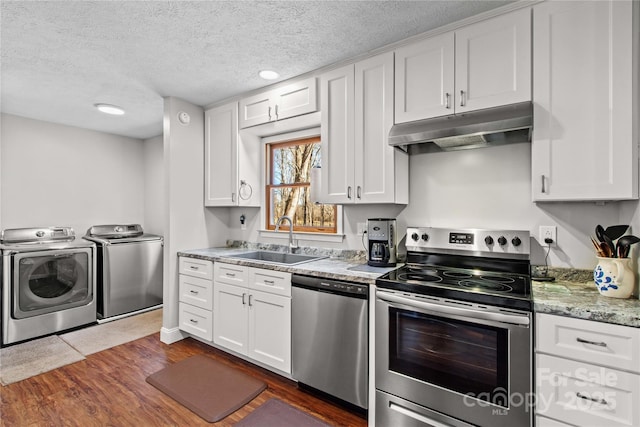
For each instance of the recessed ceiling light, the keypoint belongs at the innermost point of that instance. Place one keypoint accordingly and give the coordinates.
(110, 109)
(268, 74)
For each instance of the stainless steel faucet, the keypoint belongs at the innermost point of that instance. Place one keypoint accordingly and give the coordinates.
(292, 244)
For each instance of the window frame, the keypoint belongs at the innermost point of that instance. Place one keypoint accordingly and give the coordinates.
(270, 147)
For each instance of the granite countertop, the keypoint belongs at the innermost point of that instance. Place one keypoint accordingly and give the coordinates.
(353, 269)
(583, 301)
(570, 295)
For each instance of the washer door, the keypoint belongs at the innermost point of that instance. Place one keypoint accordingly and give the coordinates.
(48, 281)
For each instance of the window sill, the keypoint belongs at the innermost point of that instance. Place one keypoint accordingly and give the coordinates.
(318, 237)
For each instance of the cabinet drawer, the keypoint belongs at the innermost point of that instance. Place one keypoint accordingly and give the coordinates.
(196, 321)
(231, 274)
(274, 282)
(593, 342)
(196, 267)
(196, 291)
(586, 395)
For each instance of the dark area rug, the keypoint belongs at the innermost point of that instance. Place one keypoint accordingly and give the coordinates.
(276, 413)
(208, 388)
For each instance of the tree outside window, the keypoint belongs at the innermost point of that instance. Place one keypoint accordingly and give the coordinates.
(289, 167)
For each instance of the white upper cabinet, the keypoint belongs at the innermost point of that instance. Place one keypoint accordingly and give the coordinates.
(292, 100)
(584, 144)
(424, 79)
(231, 171)
(482, 65)
(358, 165)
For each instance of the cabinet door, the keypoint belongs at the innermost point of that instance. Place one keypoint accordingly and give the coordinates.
(374, 158)
(337, 130)
(583, 145)
(230, 317)
(220, 154)
(493, 62)
(295, 99)
(424, 79)
(256, 110)
(270, 330)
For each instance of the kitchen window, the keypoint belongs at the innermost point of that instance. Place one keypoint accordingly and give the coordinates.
(288, 189)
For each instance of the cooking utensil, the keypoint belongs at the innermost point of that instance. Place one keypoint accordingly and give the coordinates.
(623, 246)
(606, 250)
(600, 233)
(610, 244)
(596, 245)
(615, 231)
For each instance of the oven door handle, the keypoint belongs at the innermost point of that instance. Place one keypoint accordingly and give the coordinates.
(459, 311)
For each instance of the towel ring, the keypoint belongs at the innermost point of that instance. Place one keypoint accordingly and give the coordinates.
(244, 188)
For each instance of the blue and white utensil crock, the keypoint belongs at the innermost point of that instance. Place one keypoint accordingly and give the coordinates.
(614, 277)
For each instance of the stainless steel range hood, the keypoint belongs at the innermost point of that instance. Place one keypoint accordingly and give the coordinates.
(482, 128)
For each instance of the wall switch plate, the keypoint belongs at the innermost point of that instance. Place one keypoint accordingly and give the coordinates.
(548, 232)
(362, 226)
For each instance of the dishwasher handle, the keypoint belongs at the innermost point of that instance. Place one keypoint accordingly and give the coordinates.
(318, 284)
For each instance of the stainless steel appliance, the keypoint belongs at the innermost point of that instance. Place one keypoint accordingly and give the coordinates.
(129, 269)
(381, 233)
(48, 282)
(329, 342)
(453, 331)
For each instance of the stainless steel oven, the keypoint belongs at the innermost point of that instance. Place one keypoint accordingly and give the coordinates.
(453, 333)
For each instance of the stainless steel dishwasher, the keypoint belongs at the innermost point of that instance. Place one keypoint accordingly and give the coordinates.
(129, 264)
(330, 331)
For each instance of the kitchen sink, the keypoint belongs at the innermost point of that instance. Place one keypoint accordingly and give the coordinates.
(276, 257)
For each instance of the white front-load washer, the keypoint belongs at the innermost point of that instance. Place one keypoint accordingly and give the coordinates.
(48, 282)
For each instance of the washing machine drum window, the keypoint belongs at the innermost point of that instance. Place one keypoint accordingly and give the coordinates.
(50, 282)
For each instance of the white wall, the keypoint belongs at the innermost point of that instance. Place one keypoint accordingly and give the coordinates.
(154, 217)
(188, 225)
(491, 188)
(56, 175)
(480, 188)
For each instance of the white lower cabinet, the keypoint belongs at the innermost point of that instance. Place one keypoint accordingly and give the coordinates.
(587, 373)
(195, 307)
(253, 322)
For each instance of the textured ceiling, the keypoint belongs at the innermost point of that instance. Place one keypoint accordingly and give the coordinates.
(61, 57)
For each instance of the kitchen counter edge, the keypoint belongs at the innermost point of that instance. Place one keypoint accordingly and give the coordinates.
(326, 268)
(583, 301)
(562, 298)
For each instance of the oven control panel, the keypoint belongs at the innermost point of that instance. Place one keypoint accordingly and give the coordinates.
(479, 242)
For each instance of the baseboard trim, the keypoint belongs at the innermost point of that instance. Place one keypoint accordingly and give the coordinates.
(169, 336)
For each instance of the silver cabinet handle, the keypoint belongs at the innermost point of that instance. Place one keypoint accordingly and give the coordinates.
(359, 192)
(447, 97)
(543, 189)
(269, 112)
(193, 321)
(269, 282)
(250, 300)
(583, 341)
(194, 292)
(349, 192)
(193, 267)
(276, 111)
(462, 98)
(230, 274)
(243, 294)
(233, 197)
(600, 401)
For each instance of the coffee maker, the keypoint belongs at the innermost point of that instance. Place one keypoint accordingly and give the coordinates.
(382, 242)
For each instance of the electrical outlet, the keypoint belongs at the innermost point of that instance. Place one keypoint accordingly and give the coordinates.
(362, 226)
(548, 232)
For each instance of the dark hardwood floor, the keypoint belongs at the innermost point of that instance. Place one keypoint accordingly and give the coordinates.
(109, 388)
